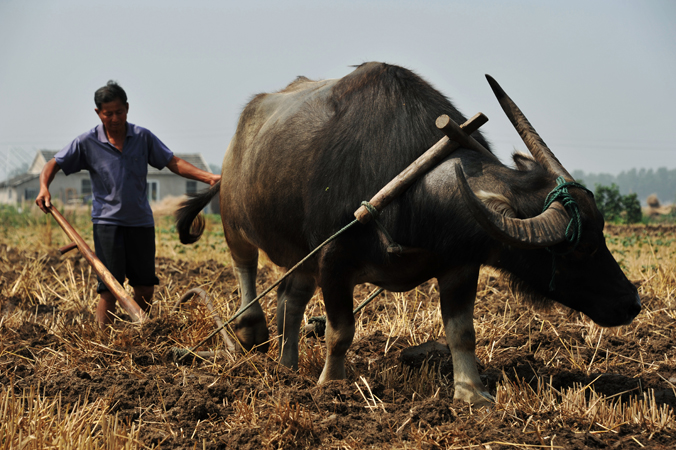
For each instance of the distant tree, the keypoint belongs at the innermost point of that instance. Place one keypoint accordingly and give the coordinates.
(633, 208)
(642, 181)
(608, 202)
(616, 207)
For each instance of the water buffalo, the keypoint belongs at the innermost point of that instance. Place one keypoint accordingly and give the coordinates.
(304, 158)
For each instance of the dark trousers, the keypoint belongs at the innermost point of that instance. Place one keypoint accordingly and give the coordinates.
(127, 252)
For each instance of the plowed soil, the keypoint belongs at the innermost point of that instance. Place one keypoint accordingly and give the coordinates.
(399, 393)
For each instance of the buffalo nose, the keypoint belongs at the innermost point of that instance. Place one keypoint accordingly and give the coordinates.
(633, 309)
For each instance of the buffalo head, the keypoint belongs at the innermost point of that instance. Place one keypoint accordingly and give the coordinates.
(582, 274)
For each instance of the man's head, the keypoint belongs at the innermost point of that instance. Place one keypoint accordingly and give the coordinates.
(112, 106)
(108, 93)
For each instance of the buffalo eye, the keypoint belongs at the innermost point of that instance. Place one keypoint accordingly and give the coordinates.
(585, 251)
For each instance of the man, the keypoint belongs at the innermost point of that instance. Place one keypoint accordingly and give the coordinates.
(116, 154)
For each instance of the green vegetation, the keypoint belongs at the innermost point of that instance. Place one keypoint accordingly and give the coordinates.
(13, 216)
(617, 208)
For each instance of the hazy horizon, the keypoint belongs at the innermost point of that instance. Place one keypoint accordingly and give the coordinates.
(594, 78)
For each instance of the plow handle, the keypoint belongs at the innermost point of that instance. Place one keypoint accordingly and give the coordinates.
(108, 279)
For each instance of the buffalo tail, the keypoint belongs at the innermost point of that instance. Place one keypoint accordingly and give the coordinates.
(189, 221)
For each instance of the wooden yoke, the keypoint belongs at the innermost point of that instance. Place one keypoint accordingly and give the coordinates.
(457, 136)
(462, 135)
(128, 303)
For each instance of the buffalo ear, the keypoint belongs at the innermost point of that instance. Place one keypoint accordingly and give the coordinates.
(497, 202)
(524, 163)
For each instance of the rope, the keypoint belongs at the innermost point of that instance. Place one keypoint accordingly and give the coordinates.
(375, 214)
(371, 209)
(274, 285)
(574, 229)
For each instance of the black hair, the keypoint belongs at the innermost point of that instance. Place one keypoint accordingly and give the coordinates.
(108, 93)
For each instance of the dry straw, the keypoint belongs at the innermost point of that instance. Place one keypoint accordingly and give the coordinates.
(47, 330)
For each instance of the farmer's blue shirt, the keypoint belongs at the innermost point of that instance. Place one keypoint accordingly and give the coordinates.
(119, 187)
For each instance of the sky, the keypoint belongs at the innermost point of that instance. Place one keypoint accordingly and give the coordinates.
(597, 79)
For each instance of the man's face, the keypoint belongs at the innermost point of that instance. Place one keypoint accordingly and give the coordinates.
(113, 115)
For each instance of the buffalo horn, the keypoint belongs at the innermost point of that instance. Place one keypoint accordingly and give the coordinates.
(545, 230)
(531, 138)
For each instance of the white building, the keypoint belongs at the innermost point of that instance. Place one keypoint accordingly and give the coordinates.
(76, 187)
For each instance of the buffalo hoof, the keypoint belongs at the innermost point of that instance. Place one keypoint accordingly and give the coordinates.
(473, 396)
(334, 369)
(252, 333)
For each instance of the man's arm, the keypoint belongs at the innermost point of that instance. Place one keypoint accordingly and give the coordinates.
(44, 199)
(185, 169)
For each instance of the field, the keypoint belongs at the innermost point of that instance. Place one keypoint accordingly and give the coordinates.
(559, 380)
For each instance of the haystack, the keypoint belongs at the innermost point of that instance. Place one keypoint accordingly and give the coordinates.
(654, 208)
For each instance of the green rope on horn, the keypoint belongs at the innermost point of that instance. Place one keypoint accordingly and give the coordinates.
(574, 229)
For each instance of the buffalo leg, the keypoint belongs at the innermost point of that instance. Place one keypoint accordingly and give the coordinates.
(339, 320)
(458, 293)
(250, 328)
(292, 296)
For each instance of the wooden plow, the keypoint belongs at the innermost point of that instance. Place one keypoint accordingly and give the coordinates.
(127, 302)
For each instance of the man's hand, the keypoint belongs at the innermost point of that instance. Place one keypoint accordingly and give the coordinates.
(214, 178)
(44, 200)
